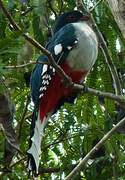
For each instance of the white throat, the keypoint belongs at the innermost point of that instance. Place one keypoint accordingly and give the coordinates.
(83, 56)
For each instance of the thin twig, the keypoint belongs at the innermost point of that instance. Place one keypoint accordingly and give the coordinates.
(108, 59)
(61, 7)
(46, 22)
(58, 140)
(56, 169)
(11, 20)
(14, 164)
(26, 11)
(63, 139)
(24, 65)
(79, 5)
(28, 116)
(23, 118)
(52, 9)
(94, 149)
(118, 98)
(14, 146)
(98, 2)
(6, 89)
(10, 167)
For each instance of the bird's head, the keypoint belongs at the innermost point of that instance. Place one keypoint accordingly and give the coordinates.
(70, 17)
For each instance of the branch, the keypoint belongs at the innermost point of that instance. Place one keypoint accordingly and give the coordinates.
(97, 3)
(56, 169)
(11, 20)
(61, 7)
(6, 89)
(14, 145)
(24, 65)
(108, 59)
(94, 149)
(46, 22)
(79, 5)
(7, 170)
(51, 7)
(26, 11)
(118, 98)
(18, 162)
(62, 139)
(23, 118)
(118, 11)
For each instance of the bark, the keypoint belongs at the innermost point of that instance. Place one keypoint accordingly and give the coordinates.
(118, 10)
(6, 120)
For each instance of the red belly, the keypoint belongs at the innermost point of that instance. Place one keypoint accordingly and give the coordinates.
(56, 90)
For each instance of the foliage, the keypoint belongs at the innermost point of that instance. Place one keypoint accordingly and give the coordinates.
(75, 129)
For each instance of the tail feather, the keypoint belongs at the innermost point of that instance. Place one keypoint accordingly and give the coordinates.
(37, 134)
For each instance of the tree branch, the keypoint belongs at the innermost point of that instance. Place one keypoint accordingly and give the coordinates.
(11, 20)
(94, 149)
(97, 3)
(108, 59)
(51, 7)
(24, 65)
(56, 169)
(23, 118)
(118, 10)
(18, 162)
(118, 98)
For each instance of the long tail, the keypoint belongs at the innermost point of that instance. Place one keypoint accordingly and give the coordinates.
(37, 133)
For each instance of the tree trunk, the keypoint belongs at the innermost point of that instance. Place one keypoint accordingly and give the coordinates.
(118, 10)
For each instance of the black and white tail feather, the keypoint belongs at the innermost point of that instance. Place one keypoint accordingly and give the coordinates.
(38, 126)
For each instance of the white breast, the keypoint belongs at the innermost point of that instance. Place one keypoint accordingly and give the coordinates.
(83, 56)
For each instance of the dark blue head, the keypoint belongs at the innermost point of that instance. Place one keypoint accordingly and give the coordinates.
(70, 17)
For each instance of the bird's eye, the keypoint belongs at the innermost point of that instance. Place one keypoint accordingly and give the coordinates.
(71, 17)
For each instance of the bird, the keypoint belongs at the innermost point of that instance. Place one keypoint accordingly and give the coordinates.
(74, 47)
